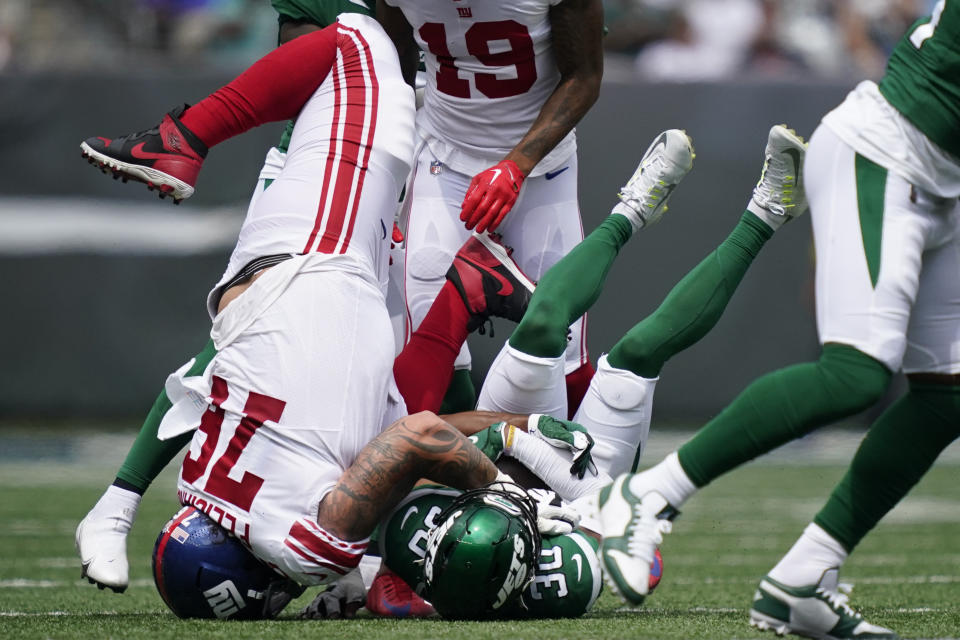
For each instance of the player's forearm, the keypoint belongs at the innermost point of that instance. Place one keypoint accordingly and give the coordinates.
(577, 30)
(568, 103)
(470, 422)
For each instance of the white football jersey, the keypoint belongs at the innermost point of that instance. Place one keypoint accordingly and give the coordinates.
(490, 67)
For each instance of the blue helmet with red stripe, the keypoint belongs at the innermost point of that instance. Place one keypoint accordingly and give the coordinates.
(201, 571)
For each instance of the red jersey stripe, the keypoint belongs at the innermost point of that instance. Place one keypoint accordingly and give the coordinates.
(357, 138)
(374, 101)
(333, 155)
(323, 549)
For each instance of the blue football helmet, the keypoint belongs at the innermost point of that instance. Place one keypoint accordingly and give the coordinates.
(201, 571)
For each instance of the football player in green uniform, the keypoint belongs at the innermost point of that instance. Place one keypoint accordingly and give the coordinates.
(566, 579)
(419, 540)
(882, 178)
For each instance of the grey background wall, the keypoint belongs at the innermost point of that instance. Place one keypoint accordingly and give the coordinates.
(93, 330)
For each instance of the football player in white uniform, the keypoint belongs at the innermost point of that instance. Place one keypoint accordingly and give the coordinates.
(506, 84)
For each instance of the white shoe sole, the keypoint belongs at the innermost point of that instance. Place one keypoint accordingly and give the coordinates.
(179, 190)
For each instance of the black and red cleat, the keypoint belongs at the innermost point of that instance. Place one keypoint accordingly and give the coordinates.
(391, 597)
(489, 281)
(167, 158)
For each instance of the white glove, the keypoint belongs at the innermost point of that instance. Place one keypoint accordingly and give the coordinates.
(553, 520)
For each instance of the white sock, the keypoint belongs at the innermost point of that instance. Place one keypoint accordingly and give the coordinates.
(552, 465)
(812, 554)
(369, 567)
(624, 210)
(666, 478)
(119, 504)
(772, 220)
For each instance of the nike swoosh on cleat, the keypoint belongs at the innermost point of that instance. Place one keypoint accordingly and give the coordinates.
(795, 156)
(138, 152)
(401, 611)
(550, 175)
(507, 287)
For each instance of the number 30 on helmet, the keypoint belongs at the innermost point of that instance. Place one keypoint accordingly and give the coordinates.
(201, 571)
(481, 555)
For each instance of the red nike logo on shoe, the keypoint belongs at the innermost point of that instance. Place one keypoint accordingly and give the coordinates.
(506, 287)
(138, 152)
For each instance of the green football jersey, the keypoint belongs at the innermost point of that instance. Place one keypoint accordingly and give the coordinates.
(922, 80)
(565, 584)
(320, 12)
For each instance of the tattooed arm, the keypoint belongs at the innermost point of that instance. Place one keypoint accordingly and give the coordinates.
(470, 422)
(414, 447)
(577, 28)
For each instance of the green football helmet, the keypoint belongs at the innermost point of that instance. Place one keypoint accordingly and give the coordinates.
(481, 555)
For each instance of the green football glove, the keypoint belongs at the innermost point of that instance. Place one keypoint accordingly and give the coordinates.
(492, 440)
(565, 434)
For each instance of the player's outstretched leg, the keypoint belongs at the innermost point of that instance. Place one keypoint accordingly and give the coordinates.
(637, 509)
(169, 156)
(618, 405)
(531, 361)
(483, 281)
(101, 537)
(799, 595)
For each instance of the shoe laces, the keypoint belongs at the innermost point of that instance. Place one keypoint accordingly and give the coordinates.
(777, 183)
(644, 533)
(646, 188)
(838, 599)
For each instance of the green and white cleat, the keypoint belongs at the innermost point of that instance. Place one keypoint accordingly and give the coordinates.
(814, 611)
(643, 200)
(633, 528)
(779, 194)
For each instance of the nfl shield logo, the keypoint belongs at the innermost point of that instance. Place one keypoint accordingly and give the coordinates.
(436, 168)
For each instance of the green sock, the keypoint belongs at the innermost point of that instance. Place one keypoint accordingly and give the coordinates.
(461, 394)
(148, 455)
(694, 305)
(784, 405)
(568, 289)
(899, 448)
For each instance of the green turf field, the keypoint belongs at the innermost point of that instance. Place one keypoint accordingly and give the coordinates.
(907, 574)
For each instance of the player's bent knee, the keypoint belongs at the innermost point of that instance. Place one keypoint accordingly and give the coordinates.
(859, 379)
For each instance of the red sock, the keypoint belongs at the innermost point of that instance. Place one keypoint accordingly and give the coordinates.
(274, 88)
(424, 367)
(577, 384)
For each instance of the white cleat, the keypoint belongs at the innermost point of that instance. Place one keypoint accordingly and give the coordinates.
(101, 541)
(643, 200)
(813, 611)
(633, 528)
(779, 195)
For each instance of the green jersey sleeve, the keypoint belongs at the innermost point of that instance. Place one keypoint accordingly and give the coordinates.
(922, 80)
(320, 12)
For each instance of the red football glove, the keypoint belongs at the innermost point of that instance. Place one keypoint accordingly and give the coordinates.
(491, 195)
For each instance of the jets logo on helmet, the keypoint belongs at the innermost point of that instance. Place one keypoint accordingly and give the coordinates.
(516, 576)
(433, 544)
